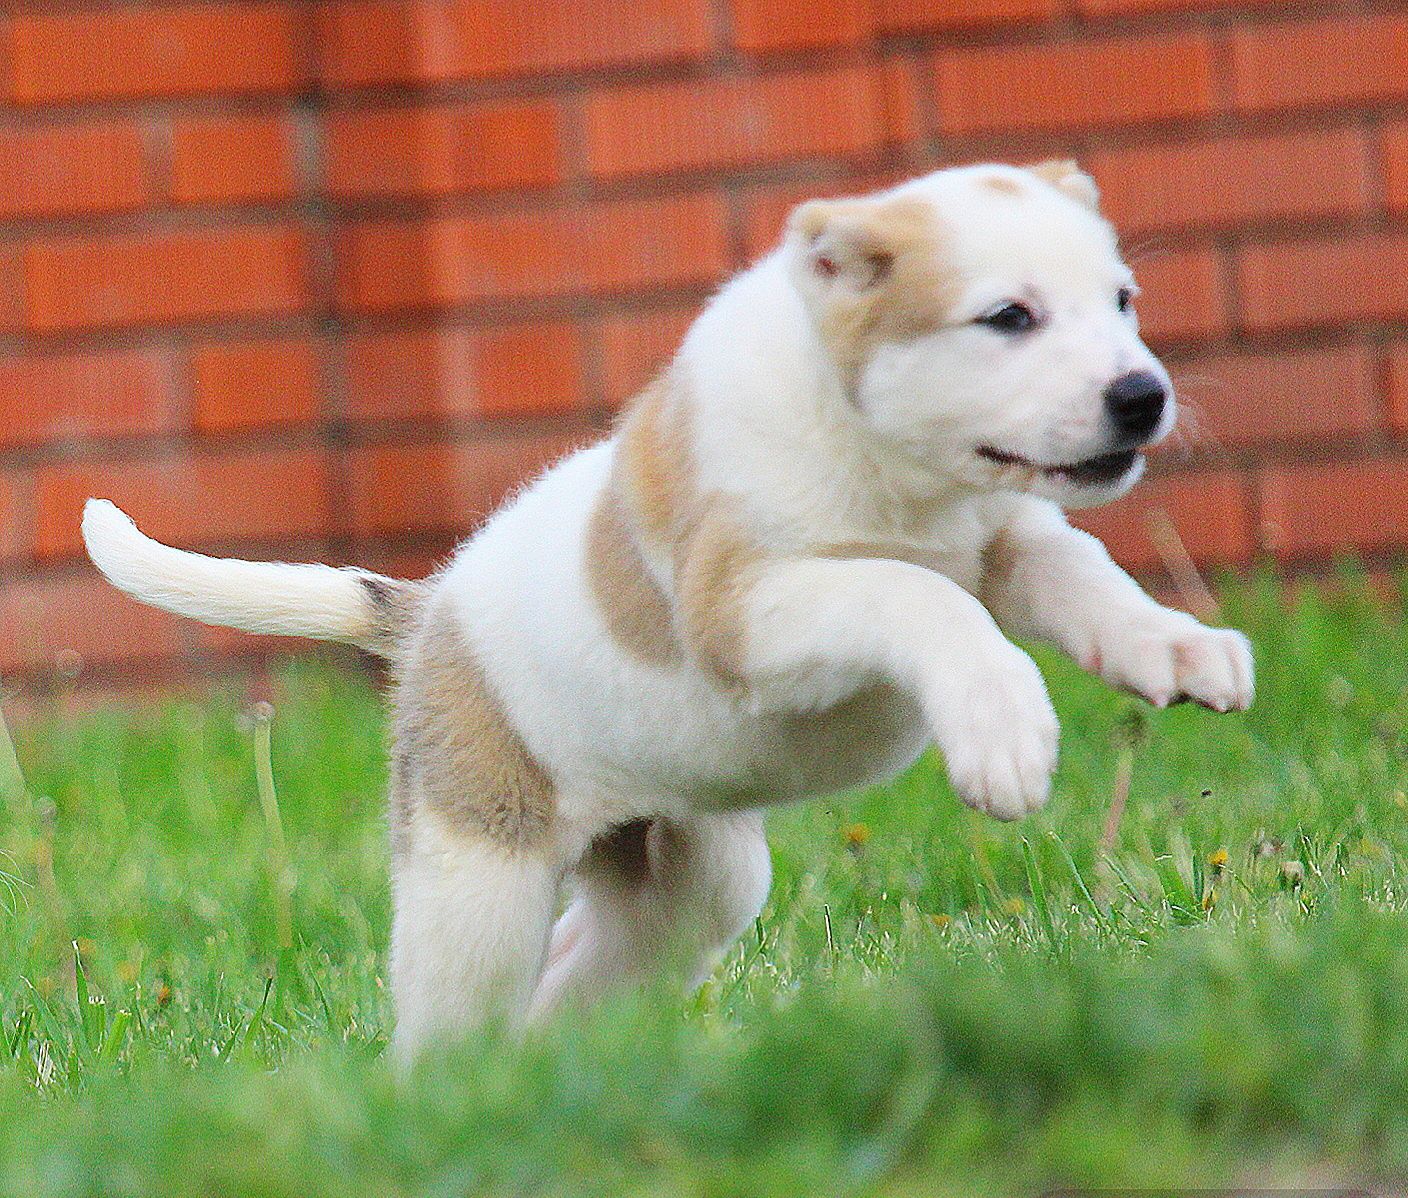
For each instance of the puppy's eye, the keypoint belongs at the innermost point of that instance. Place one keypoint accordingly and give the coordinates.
(1010, 318)
(1124, 298)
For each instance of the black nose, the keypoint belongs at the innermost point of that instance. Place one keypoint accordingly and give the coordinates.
(1135, 402)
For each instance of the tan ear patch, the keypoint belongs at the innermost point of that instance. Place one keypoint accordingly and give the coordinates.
(456, 751)
(892, 256)
(1066, 176)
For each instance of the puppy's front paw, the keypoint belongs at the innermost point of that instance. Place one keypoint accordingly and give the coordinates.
(1178, 659)
(998, 733)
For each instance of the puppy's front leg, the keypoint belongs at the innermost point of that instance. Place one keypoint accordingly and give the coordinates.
(818, 629)
(1047, 579)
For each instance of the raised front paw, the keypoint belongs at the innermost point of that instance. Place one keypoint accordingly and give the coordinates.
(998, 732)
(1175, 658)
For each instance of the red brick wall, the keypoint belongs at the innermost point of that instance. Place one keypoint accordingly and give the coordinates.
(322, 280)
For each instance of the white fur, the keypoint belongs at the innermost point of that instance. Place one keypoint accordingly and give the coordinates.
(269, 597)
(851, 666)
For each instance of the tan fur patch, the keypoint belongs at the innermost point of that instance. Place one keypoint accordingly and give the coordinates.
(879, 550)
(713, 570)
(1003, 184)
(456, 751)
(900, 281)
(636, 610)
(1065, 175)
(698, 533)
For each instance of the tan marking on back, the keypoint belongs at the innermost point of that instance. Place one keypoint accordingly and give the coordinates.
(456, 751)
(634, 608)
(907, 283)
(700, 535)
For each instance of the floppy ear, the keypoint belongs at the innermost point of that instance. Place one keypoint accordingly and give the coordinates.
(1065, 175)
(846, 244)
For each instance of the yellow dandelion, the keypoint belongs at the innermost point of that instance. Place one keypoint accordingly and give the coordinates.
(941, 922)
(855, 835)
(1218, 861)
(1014, 907)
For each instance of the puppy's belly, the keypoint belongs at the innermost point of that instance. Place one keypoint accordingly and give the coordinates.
(868, 738)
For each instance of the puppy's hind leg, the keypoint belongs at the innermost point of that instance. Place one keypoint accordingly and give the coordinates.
(469, 933)
(656, 893)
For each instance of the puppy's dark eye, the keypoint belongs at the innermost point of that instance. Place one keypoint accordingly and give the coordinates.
(1124, 298)
(1010, 318)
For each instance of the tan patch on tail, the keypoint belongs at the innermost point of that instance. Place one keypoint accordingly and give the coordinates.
(394, 612)
(456, 751)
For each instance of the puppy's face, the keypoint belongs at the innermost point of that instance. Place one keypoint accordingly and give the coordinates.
(984, 324)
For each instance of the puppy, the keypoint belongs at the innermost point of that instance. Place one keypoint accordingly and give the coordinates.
(793, 566)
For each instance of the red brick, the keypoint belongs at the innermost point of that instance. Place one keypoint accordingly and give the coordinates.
(1208, 511)
(1320, 62)
(232, 159)
(1241, 399)
(68, 396)
(1233, 180)
(1335, 508)
(514, 370)
(99, 281)
(734, 122)
(902, 16)
(636, 346)
(1291, 284)
(424, 488)
(133, 51)
(406, 41)
(1398, 386)
(16, 514)
(760, 26)
(1395, 141)
(44, 620)
(1112, 7)
(1073, 84)
(1183, 297)
(443, 149)
(254, 495)
(71, 170)
(12, 289)
(251, 384)
(608, 247)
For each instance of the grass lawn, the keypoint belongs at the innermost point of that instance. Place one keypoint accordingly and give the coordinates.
(932, 1003)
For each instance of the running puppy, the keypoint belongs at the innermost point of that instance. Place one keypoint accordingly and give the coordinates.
(793, 566)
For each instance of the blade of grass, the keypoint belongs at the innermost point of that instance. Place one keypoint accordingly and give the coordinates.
(1095, 910)
(1038, 892)
(280, 871)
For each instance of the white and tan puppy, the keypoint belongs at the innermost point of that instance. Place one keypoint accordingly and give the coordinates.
(794, 565)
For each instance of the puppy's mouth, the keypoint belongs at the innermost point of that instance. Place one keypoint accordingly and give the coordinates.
(1092, 472)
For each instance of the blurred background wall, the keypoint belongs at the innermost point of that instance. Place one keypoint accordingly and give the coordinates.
(323, 280)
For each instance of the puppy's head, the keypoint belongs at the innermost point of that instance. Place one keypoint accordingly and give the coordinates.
(982, 321)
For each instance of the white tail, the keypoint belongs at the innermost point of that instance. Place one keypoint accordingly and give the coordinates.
(324, 602)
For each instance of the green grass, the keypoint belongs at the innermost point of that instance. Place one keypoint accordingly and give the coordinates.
(932, 1003)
